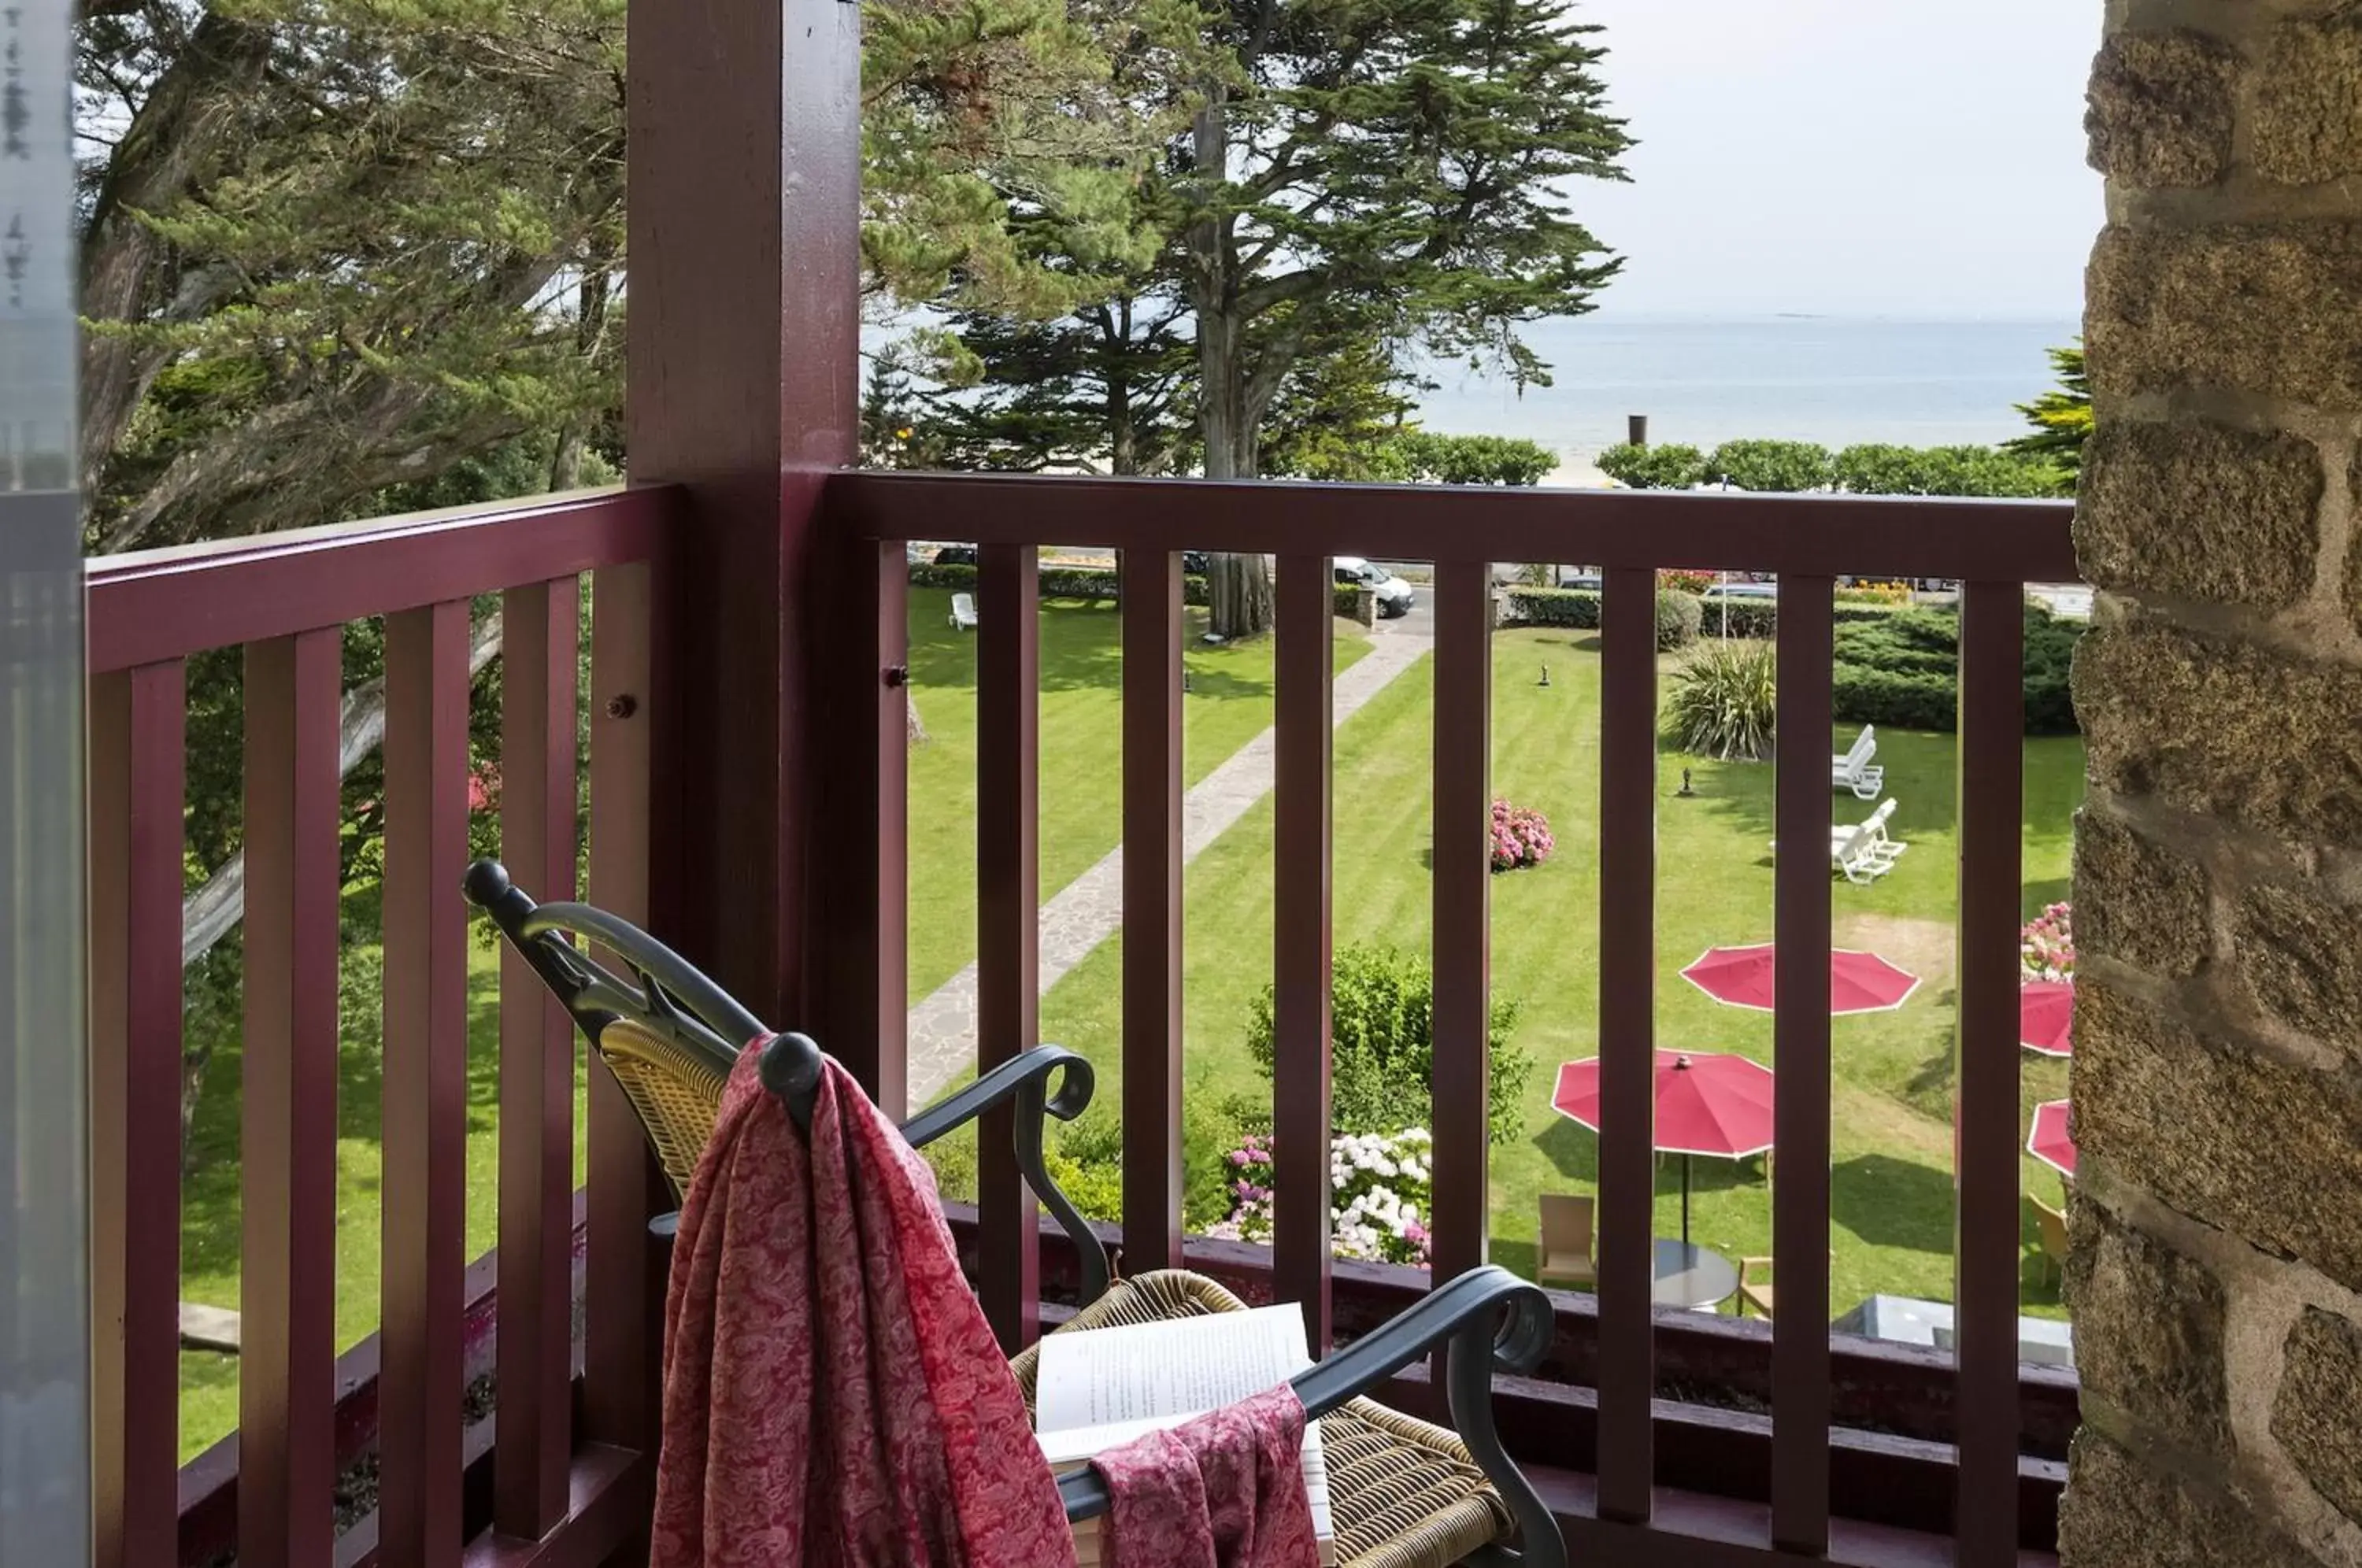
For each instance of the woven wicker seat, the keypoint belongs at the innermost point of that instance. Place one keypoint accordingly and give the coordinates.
(1402, 1494)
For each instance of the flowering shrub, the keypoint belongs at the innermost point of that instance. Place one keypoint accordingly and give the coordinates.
(1520, 838)
(1380, 1188)
(1875, 593)
(2047, 945)
(1680, 582)
(1381, 1045)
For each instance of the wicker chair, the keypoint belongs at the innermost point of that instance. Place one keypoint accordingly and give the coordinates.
(1402, 1494)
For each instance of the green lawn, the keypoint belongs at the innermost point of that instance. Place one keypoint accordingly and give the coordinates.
(1891, 1196)
(1229, 704)
(210, 1211)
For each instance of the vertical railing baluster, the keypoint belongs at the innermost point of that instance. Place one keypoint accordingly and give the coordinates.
(1800, 1047)
(623, 1185)
(1151, 592)
(138, 767)
(1008, 948)
(1301, 914)
(1628, 959)
(1991, 793)
(887, 949)
(424, 1379)
(540, 643)
(1461, 892)
(288, 1187)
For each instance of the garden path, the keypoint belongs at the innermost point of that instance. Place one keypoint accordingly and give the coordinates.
(1089, 910)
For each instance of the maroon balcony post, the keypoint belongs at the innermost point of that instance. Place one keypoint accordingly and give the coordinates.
(1151, 592)
(423, 1378)
(1007, 913)
(745, 141)
(1800, 1044)
(858, 953)
(624, 1186)
(540, 642)
(1991, 800)
(287, 1395)
(1463, 893)
(137, 720)
(1303, 866)
(1627, 961)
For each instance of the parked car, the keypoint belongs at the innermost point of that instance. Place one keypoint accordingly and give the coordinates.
(1394, 595)
(1195, 563)
(957, 555)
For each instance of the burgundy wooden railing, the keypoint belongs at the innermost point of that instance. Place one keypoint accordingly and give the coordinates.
(1994, 548)
(560, 1472)
(286, 599)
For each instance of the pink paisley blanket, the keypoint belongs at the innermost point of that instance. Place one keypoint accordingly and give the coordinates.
(831, 1394)
(1224, 1491)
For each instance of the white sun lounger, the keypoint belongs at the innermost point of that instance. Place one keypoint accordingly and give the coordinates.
(963, 611)
(1855, 771)
(1865, 852)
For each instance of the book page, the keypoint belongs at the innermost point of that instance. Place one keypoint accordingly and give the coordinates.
(1181, 1368)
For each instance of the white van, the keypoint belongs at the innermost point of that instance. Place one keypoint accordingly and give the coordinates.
(1394, 597)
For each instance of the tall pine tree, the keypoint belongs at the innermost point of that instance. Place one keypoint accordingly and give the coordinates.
(1388, 168)
(1360, 179)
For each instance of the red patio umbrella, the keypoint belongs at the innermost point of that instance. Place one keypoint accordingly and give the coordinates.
(2046, 1017)
(2048, 1142)
(1858, 982)
(1708, 1102)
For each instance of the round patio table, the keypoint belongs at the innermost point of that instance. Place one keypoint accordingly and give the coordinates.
(1691, 1275)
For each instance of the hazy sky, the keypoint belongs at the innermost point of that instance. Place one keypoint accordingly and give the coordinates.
(1854, 157)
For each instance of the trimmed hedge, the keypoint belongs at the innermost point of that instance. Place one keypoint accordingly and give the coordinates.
(1677, 613)
(1754, 619)
(1089, 585)
(1903, 670)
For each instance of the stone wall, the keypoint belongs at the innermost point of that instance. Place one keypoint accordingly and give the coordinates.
(2217, 1230)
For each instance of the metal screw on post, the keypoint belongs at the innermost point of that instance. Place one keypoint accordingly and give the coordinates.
(623, 707)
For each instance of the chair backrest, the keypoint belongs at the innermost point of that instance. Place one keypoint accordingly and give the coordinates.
(677, 1093)
(1865, 745)
(672, 1037)
(1566, 1225)
(1844, 850)
(1885, 810)
(2050, 1224)
(964, 606)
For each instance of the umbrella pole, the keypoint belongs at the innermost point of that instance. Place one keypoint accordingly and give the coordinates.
(1686, 1200)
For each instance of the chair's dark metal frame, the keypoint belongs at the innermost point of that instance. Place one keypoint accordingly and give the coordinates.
(1485, 1320)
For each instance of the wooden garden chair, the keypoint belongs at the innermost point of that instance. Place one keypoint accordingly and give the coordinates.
(1403, 1492)
(1566, 1241)
(2050, 1231)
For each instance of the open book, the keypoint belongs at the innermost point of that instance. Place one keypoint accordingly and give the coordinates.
(1099, 1390)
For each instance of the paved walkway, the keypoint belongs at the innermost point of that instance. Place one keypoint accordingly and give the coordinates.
(1089, 910)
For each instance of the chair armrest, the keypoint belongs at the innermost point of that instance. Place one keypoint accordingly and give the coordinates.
(1024, 1080)
(1489, 1320)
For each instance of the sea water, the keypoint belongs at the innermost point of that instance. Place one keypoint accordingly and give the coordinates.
(1831, 380)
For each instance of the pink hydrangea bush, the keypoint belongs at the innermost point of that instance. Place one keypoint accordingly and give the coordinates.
(1380, 1186)
(1520, 838)
(2047, 945)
